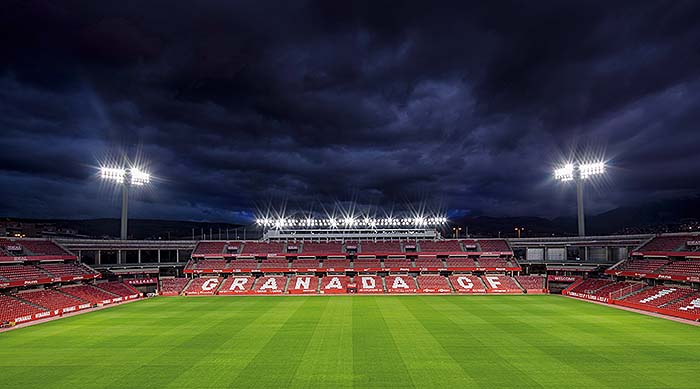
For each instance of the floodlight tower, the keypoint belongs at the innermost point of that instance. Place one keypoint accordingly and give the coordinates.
(579, 173)
(126, 177)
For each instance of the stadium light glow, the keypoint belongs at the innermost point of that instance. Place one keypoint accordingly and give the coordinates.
(350, 222)
(125, 177)
(579, 172)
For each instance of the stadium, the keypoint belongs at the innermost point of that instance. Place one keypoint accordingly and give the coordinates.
(358, 194)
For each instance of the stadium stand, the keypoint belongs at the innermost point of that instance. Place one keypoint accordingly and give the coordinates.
(493, 245)
(429, 262)
(306, 264)
(88, 293)
(657, 296)
(469, 245)
(371, 247)
(33, 247)
(532, 284)
(369, 284)
(464, 283)
(172, 286)
(440, 246)
(270, 284)
(237, 285)
(397, 263)
(71, 269)
(322, 247)
(50, 299)
(366, 263)
(642, 265)
(243, 264)
(12, 309)
(333, 284)
(590, 285)
(400, 284)
(22, 272)
(336, 263)
(209, 248)
(274, 263)
(211, 264)
(666, 243)
(460, 263)
(263, 247)
(500, 283)
(118, 288)
(433, 284)
(303, 284)
(688, 305)
(202, 286)
(682, 268)
(493, 262)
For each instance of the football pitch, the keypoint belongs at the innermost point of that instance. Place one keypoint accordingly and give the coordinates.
(353, 341)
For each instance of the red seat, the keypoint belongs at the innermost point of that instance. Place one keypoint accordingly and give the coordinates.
(433, 284)
(400, 284)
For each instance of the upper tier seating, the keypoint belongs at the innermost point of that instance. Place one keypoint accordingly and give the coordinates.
(34, 247)
(11, 309)
(270, 284)
(531, 282)
(469, 245)
(365, 263)
(119, 288)
(271, 263)
(429, 262)
(303, 284)
(460, 262)
(334, 284)
(493, 262)
(88, 293)
(173, 285)
(400, 284)
(49, 299)
(203, 285)
(264, 247)
(667, 243)
(369, 284)
(658, 295)
(436, 283)
(243, 264)
(237, 284)
(493, 245)
(212, 264)
(440, 246)
(71, 269)
(336, 263)
(322, 247)
(22, 272)
(467, 283)
(208, 248)
(682, 268)
(397, 263)
(371, 247)
(306, 264)
(641, 265)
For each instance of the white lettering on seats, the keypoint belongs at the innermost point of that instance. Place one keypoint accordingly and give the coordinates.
(493, 281)
(334, 284)
(661, 293)
(210, 284)
(368, 283)
(694, 304)
(238, 283)
(271, 283)
(465, 282)
(303, 283)
(399, 283)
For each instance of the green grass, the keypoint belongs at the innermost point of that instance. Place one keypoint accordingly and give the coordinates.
(353, 341)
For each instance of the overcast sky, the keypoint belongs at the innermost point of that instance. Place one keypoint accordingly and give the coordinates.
(235, 105)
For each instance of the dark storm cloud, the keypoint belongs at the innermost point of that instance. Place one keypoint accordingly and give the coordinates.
(238, 104)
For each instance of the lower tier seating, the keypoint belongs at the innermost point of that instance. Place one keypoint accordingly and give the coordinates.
(400, 284)
(203, 285)
(531, 282)
(500, 283)
(270, 284)
(369, 284)
(49, 299)
(466, 283)
(433, 284)
(172, 286)
(119, 288)
(88, 293)
(303, 284)
(11, 309)
(334, 284)
(237, 285)
(657, 296)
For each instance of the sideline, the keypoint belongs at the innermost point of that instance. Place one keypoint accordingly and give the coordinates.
(69, 314)
(643, 312)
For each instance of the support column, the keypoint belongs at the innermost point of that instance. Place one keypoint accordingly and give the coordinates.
(139, 251)
(579, 200)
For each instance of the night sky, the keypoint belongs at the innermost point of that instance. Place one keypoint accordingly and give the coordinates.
(237, 105)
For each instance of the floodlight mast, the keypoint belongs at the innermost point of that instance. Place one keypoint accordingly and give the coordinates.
(125, 178)
(579, 173)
